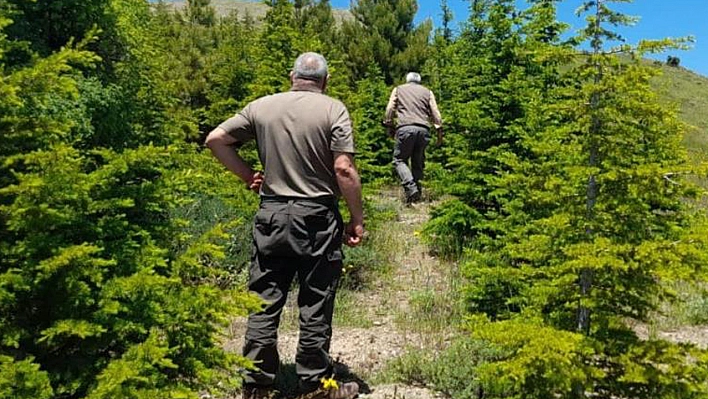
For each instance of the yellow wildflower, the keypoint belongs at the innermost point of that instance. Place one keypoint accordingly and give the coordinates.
(329, 383)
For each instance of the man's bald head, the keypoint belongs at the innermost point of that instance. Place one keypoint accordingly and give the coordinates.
(310, 66)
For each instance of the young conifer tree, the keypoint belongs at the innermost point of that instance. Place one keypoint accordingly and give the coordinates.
(492, 70)
(373, 144)
(598, 221)
(277, 48)
(97, 299)
(387, 36)
(280, 41)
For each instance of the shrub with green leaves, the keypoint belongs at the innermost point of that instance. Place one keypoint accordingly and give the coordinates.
(583, 216)
(104, 292)
(90, 282)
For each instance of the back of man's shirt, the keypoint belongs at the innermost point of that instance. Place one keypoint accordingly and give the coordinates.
(413, 104)
(297, 133)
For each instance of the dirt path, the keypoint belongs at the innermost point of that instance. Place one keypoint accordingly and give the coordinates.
(380, 323)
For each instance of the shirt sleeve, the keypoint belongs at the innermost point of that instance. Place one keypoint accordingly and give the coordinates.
(240, 126)
(391, 107)
(342, 135)
(435, 112)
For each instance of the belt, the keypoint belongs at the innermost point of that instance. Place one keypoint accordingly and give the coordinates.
(414, 124)
(323, 200)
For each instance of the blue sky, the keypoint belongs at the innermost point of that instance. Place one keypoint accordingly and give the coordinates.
(659, 19)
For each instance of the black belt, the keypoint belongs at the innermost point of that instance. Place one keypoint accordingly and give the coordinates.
(414, 124)
(323, 200)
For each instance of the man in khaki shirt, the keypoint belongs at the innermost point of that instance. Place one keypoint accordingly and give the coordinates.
(306, 146)
(414, 106)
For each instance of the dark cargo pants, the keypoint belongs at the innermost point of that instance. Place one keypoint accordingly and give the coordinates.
(303, 238)
(411, 142)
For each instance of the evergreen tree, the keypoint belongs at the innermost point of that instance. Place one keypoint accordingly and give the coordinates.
(277, 49)
(316, 20)
(489, 72)
(447, 18)
(49, 24)
(212, 73)
(386, 36)
(228, 71)
(200, 12)
(373, 145)
(102, 293)
(592, 224)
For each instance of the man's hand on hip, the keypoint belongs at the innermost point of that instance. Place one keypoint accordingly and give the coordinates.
(354, 233)
(255, 183)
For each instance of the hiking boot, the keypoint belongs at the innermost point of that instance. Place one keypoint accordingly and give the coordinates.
(338, 390)
(256, 392)
(419, 187)
(346, 390)
(413, 198)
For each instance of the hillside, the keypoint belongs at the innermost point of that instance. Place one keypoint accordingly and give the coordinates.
(690, 91)
(256, 9)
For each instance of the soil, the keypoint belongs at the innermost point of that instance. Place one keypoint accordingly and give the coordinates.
(697, 335)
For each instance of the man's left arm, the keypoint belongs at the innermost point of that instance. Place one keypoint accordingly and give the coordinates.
(222, 146)
(437, 118)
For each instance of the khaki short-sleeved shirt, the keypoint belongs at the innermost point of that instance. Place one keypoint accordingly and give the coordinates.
(297, 133)
(413, 104)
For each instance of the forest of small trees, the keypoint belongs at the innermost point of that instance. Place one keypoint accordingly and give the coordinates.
(571, 201)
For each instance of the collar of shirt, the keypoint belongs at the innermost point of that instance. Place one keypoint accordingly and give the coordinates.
(306, 85)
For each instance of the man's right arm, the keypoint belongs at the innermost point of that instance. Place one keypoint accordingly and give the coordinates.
(221, 145)
(221, 142)
(350, 187)
(390, 109)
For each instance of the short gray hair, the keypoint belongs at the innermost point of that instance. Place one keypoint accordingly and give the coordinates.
(413, 77)
(310, 66)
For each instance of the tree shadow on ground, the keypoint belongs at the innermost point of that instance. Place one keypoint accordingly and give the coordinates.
(286, 379)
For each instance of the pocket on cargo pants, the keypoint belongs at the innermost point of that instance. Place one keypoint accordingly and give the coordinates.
(270, 232)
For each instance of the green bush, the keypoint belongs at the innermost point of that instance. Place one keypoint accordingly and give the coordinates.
(451, 227)
(93, 289)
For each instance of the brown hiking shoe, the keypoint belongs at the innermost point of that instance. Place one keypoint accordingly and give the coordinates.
(255, 392)
(331, 389)
(346, 390)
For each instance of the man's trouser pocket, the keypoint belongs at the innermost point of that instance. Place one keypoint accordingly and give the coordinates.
(297, 228)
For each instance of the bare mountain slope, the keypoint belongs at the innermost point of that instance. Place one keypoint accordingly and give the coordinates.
(256, 9)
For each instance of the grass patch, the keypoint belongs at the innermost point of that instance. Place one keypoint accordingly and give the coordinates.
(432, 313)
(690, 307)
(373, 259)
(348, 313)
(451, 371)
(689, 91)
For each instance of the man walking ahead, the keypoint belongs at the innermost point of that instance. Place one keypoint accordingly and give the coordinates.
(305, 144)
(414, 105)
